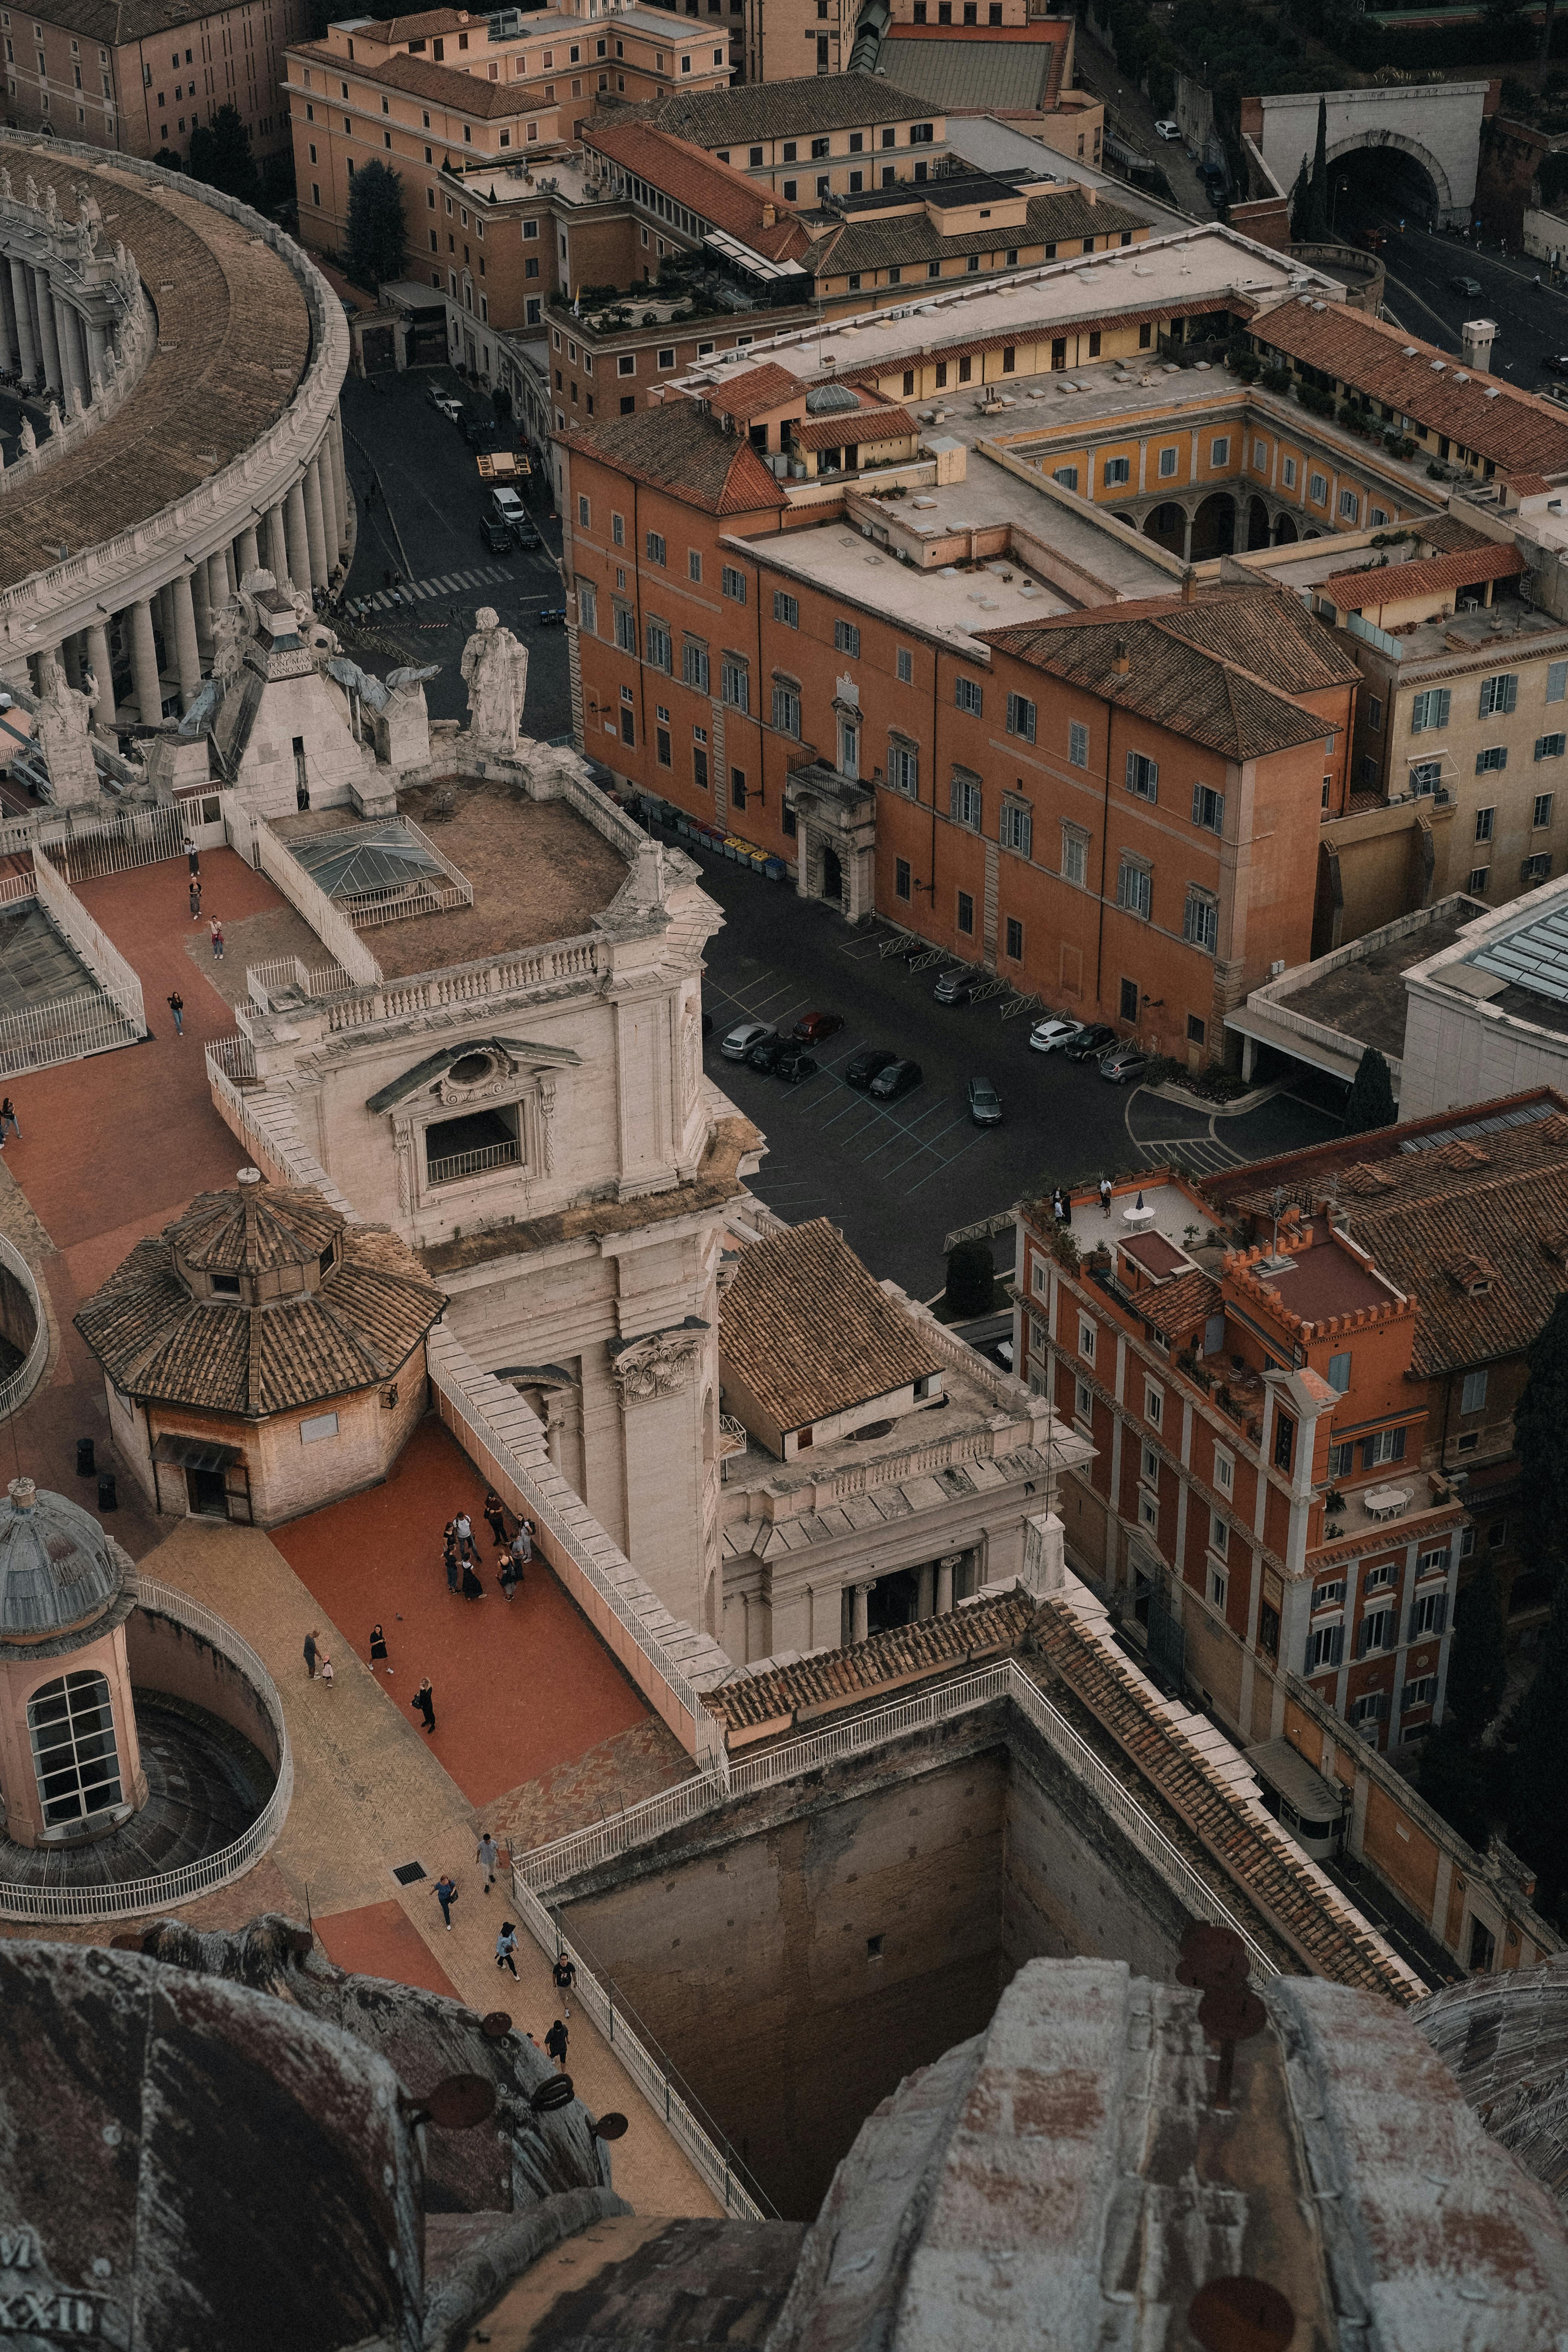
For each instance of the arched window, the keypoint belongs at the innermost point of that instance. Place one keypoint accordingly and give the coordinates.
(74, 1754)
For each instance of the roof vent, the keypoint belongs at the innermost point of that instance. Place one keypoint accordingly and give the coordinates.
(249, 1176)
(1121, 658)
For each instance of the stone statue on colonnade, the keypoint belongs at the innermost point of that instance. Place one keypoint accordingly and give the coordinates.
(65, 737)
(495, 670)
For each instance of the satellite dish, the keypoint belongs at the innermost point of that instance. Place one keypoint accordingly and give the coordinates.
(556, 2093)
(610, 2128)
(458, 2104)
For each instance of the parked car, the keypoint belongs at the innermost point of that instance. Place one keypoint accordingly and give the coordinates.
(1555, 362)
(1050, 1036)
(957, 985)
(868, 1063)
(794, 1066)
(813, 1028)
(764, 1052)
(1463, 285)
(741, 1039)
(495, 536)
(897, 1079)
(448, 403)
(479, 432)
(508, 509)
(526, 536)
(550, 617)
(1090, 1043)
(1125, 1065)
(1167, 130)
(985, 1103)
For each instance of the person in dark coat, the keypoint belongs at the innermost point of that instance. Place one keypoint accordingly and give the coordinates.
(424, 1703)
(450, 1555)
(377, 1645)
(472, 1589)
(495, 1517)
(555, 2043)
(311, 1651)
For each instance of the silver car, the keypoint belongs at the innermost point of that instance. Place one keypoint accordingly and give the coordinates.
(740, 1041)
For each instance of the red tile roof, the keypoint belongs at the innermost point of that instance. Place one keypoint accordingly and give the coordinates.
(716, 191)
(814, 1687)
(1390, 584)
(1514, 430)
(751, 395)
(676, 448)
(876, 421)
(448, 86)
(811, 1331)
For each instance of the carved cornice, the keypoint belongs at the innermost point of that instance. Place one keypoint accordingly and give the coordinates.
(658, 1364)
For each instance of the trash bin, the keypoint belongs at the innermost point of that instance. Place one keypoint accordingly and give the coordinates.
(107, 1500)
(84, 1465)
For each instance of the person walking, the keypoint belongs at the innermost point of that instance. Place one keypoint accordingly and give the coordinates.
(215, 929)
(1105, 1195)
(496, 1519)
(555, 2041)
(446, 1896)
(378, 1646)
(177, 1007)
(195, 900)
(424, 1703)
(506, 1945)
(327, 1675)
(565, 1975)
(192, 856)
(311, 1651)
(485, 1855)
(8, 1118)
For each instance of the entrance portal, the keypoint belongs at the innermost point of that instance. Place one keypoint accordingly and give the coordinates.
(832, 876)
(892, 1601)
(208, 1496)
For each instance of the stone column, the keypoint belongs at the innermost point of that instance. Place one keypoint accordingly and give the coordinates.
(218, 581)
(144, 663)
(201, 601)
(315, 527)
(70, 662)
(248, 555)
(65, 336)
(341, 468)
(97, 348)
(944, 1589)
(8, 321)
(1187, 537)
(26, 344)
(277, 543)
(187, 654)
(860, 1628)
(103, 668)
(324, 463)
(48, 338)
(298, 535)
(925, 1590)
(337, 511)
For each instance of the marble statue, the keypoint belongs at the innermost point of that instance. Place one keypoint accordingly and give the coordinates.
(30, 193)
(230, 629)
(495, 670)
(27, 439)
(51, 204)
(4, 184)
(64, 723)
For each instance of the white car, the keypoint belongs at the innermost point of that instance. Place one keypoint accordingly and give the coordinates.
(1167, 130)
(1047, 1035)
(740, 1041)
(450, 407)
(508, 507)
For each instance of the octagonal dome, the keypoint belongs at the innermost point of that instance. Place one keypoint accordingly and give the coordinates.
(59, 1574)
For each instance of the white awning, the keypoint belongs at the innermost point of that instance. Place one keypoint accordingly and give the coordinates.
(744, 259)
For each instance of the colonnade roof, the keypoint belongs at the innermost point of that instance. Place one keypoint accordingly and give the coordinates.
(233, 344)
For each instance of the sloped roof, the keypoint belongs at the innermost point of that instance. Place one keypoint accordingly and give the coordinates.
(961, 74)
(1389, 583)
(1515, 429)
(777, 110)
(873, 240)
(747, 395)
(157, 1341)
(448, 86)
(869, 420)
(1218, 670)
(842, 1677)
(255, 1229)
(810, 1332)
(1176, 1306)
(683, 171)
(675, 447)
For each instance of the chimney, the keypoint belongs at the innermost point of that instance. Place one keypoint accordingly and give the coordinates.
(1476, 337)
(770, 217)
(1122, 660)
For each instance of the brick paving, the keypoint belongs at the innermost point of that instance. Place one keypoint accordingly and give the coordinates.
(618, 1772)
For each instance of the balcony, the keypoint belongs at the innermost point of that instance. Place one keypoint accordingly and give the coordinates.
(458, 1164)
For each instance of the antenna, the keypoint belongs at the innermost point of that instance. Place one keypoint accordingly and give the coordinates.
(1278, 1201)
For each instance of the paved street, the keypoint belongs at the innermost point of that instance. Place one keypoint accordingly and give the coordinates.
(898, 1178)
(1531, 319)
(423, 526)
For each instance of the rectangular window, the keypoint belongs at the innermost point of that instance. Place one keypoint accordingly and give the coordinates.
(1021, 717)
(1429, 710)
(1492, 760)
(1017, 827)
(1341, 1460)
(906, 667)
(1325, 1648)
(732, 583)
(662, 752)
(1375, 714)
(1422, 1692)
(901, 883)
(786, 710)
(1339, 1373)
(964, 804)
(1200, 921)
(968, 695)
(965, 912)
(1480, 875)
(1473, 1395)
(625, 629)
(1284, 1442)
(1500, 694)
(1134, 889)
(1289, 473)
(1169, 459)
(1153, 1404)
(319, 1425)
(1078, 744)
(1116, 472)
(660, 651)
(694, 665)
(1075, 858)
(1083, 1400)
(693, 564)
(787, 609)
(1220, 451)
(903, 769)
(1368, 1712)
(1542, 814)
(847, 639)
(1484, 824)
(1208, 808)
(1536, 869)
(655, 547)
(1066, 477)
(587, 607)
(1556, 681)
(1224, 1472)
(1015, 939)
(1550, 747)
(1349, 507)
(1382, 1445)
(1218, 1587)
(1142, 776)
(735, 684)
(1377, 1632)
(1318, 488)
(1428, 1616)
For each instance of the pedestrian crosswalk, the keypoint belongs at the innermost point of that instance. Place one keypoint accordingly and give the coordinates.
(450, 586)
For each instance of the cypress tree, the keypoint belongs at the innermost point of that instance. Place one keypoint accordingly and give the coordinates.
(1453, 1780)
(377, 229)
(1538, 1817)
(1319, 207)
(1301, 206)
(1540, 1422)
(1478, 1661)
(1371, 1100)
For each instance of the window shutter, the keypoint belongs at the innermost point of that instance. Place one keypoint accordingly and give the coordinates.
(1363, 1631)
(1131, 770)
(1397, 1451)
(1509, 694)
(1197, 803)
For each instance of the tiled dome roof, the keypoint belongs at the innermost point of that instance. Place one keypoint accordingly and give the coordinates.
(58, 1571)
(255, 1229)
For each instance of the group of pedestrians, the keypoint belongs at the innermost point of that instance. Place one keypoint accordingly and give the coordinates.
(174, 1000)
(460, 1553)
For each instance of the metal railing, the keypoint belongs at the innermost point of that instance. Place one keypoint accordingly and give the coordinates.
(137, 1897)
(255, 840)
(19, 1385)
(97, 951)
(473, 1163)
(84, 851)
(234, 1057)
(278, 976)
(464, 983)
(38, 1035)
(711, 2162)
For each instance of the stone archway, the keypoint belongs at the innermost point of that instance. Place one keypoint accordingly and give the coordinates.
(1284, 531)
(1383, 140)
(1213, 526)
(1257, 533)
(1166, 525)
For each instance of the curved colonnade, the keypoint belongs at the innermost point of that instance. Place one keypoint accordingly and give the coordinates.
(191, 357)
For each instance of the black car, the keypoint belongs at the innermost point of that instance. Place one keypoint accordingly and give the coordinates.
(553, 616)
(794, 1066)
(958, 985)
(1090, 1043)
(495, 536)
(1555, 362)
(526, 536)
(765, 1053)
(897, 1079)
(868, 1063)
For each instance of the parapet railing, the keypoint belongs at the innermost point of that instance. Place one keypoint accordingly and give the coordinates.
(138, 1897)
(19, 1385)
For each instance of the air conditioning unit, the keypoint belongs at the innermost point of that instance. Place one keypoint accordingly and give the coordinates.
(1277, 967)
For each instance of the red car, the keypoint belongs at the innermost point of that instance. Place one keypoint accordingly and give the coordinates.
(813, 1028)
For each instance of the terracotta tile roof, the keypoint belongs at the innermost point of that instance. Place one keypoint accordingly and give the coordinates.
(392, 29)
(157, 1341)
(1176, 1307)
(1444, 532)
(1259, 1858)
(877, 421)
(749, 396)
(840, 1678)
(258, 1228)
(874, 241)
(1514, 430)
(777, 110)
(1388, 584)
(676, 448)
(1218, 670)
(1529, 486)
(716, 191)
(810, 1332)
(448, 86)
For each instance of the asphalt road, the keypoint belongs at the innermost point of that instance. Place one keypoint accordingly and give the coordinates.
(422, 525)
(897, 1177)
(1531, 320)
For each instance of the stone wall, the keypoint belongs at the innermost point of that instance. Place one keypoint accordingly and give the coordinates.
(170, 1658)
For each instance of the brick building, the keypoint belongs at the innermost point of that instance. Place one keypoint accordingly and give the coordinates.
(139, 75)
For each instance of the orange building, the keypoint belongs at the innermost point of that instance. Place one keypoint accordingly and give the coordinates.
(137, 78)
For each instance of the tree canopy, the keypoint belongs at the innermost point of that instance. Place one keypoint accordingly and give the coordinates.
(377, 229)
(1371, 1100)
(220, 155)
(1538, 1817)
(1478, 1663)
(1540, 1422)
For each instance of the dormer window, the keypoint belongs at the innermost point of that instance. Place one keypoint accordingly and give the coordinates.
(226, 1285)
(1476, 1276)
(325, 1261)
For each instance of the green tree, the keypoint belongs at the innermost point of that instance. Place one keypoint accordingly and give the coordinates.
(971, 1279)
(1477, 1663)
(1318, 193)
(220, 155)
(1371, 1100)
(1540, 1420)
(1453, 1777)
(168, 160)
(1301, 206)
(1537, 1815)
(378, 228)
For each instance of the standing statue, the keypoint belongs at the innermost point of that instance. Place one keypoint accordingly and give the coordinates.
(229, 632)
(27, 440)
(495, 670)
(64, 722)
